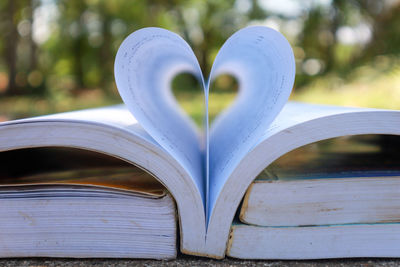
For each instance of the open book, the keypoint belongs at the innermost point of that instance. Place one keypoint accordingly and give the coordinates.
(206, 173)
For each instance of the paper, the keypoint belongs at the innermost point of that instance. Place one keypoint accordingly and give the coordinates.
(262, 61)
(145, 65)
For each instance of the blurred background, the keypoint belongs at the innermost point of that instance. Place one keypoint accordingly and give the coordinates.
(58, 55)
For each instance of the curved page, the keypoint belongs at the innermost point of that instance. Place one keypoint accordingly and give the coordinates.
(263, 62)
(145, 65)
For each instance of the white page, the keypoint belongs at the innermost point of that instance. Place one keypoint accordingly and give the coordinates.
(145, 65)
(262, 61)
(117, 116)
(294, 113)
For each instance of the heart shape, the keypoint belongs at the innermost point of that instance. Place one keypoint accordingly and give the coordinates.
(260, 59)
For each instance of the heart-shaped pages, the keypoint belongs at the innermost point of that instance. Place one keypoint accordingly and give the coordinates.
(262, 61)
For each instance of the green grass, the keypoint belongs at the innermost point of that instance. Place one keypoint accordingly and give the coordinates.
(190, 96)
(193, 104)
(370, 86)
(17, 107)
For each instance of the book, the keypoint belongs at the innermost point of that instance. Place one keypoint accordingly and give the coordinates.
(75, 203)
(349, 180)
(322, 242)
(341, 192)
(207, 173)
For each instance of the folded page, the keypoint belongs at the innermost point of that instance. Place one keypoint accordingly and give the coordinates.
(145, 65)
(263, 62)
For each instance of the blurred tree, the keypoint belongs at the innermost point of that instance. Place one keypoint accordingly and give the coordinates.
(385, 20)
(63, 47)
(11, 40)
(347, 34)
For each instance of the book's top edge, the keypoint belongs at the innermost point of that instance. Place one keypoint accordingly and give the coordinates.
(338, 175)
(237, 223)
(71, 190)
(100, 114)
(116, 179)
(115, 117)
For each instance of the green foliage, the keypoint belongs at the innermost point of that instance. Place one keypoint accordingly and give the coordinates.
(58, 50)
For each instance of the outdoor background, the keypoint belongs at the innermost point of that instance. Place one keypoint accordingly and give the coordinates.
(58, 55)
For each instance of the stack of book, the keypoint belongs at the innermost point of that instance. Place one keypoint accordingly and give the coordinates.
(334, 198)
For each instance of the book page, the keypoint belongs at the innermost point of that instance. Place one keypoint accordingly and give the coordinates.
(294, 113)
(145, 65)
(262, 61)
